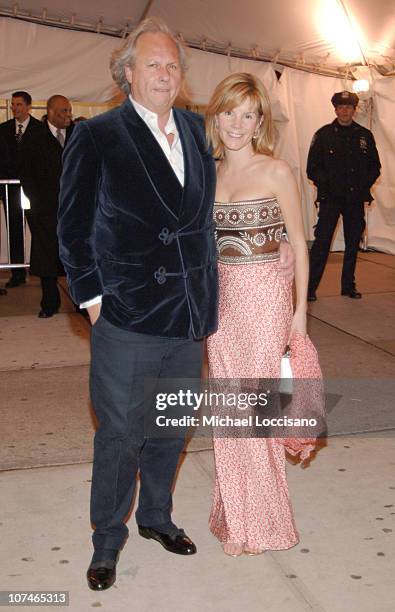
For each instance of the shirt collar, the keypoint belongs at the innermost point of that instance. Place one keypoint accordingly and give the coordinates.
(151, 118)
(54, 129)
(24, 123)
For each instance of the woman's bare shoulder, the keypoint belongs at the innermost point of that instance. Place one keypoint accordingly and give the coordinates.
(281, 167)
(272, 164)
(275, 170)
(283, 175)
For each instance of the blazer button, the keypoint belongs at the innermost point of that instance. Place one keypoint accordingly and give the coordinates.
(166, 236)
(160, 275)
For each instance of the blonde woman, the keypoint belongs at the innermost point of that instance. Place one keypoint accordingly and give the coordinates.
(256, 198)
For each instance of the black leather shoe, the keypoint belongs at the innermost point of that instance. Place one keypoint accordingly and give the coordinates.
(15, 282)
(3, 291)
(353, 294)
(311, 296)
(46, 314)
(101, 578)
(179, 544)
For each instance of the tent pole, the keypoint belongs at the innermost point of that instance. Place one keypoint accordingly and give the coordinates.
(146, 10)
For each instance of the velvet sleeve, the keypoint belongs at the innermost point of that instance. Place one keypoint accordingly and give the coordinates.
(77, 211)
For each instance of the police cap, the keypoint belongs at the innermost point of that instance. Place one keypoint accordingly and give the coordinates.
(345, 97)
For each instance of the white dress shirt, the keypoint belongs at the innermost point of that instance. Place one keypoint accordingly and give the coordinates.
(55, 131)
(173, 153)
(24, 125)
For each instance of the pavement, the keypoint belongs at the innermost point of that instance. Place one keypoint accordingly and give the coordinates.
(344, 501)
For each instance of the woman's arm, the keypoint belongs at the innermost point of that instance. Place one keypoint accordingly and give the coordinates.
(287, 195)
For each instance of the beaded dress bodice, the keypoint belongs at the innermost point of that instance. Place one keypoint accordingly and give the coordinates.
(248, 231)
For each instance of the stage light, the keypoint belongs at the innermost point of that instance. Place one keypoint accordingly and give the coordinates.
(363, 83)
(361, 86)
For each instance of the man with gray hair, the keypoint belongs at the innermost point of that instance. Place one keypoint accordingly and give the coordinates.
(137, 242)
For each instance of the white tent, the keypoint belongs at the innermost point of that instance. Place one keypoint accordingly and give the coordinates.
(318, 45)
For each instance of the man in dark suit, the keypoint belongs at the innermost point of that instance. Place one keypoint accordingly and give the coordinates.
(137, 241)
(41, 173)
(15, 136)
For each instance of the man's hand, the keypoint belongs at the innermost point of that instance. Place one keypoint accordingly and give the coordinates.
(287, 261)
(94, 312)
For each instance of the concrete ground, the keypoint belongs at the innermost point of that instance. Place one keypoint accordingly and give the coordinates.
(344, 502)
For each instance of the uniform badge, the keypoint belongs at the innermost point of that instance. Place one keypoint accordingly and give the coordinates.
(363, 145)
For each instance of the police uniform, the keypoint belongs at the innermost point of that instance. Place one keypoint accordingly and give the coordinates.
(343, 163)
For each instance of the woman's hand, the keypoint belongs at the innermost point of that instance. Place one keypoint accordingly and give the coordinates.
(287, 261)
(299, 323)
(94, 312)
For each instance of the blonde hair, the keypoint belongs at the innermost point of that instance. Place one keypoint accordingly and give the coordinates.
(126, 55)
(231, 92)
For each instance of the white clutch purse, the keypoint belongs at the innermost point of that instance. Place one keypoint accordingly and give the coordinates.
(286, 373)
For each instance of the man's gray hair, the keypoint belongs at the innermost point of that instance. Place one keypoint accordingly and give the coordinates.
(126, 55)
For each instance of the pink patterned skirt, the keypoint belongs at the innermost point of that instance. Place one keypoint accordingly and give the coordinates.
(251, 502)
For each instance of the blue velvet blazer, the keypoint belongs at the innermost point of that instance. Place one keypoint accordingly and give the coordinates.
(129, 231)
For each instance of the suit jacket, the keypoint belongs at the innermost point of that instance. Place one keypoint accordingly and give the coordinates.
(11, 154)
(129, 231)
(41, 169)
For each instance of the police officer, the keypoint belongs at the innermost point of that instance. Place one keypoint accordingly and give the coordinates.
(343, 163)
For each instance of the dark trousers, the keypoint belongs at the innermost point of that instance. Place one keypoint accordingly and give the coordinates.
(353, 225)
(120, 362)
(17, 254)
(50, 300)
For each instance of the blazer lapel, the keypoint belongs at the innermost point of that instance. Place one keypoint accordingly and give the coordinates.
(155, 163)
(51, 138)
(12, 137)
(28, 129)
(54, 141)
(194, 176)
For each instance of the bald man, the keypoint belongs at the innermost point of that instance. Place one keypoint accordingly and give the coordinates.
(40, 178)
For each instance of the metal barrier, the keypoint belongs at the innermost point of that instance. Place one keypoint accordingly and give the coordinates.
(8, 264)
